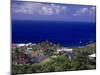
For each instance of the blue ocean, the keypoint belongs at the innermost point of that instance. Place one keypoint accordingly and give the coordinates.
(64, 33)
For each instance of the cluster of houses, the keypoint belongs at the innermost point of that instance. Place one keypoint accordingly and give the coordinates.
(22, 45)
(67, 51)
(30, 56)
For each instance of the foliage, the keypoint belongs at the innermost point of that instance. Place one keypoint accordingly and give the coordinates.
(59, 63)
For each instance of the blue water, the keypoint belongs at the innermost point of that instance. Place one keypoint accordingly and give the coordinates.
(64, 33)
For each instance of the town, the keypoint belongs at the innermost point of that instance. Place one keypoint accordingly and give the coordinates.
(40, 54)
(32, 53)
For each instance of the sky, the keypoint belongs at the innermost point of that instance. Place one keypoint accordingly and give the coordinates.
(39, 11)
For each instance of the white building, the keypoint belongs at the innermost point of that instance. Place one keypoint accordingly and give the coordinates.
(92, 55)
(30, 44)
(54, 56)
(64, 49)
(29, 49)
(20, 45)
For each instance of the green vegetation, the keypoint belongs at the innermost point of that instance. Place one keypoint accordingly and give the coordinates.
(54, 64)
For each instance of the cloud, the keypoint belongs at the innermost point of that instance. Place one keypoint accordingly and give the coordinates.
(38, 8)
(85, 11)
(52, 9)
(81, 11)
(26, 8)
(46, 11)
(92, 11)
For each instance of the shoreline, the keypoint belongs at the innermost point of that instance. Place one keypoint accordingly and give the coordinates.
(76, 46)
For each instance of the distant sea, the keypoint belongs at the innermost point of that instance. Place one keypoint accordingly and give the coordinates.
(64, 33)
